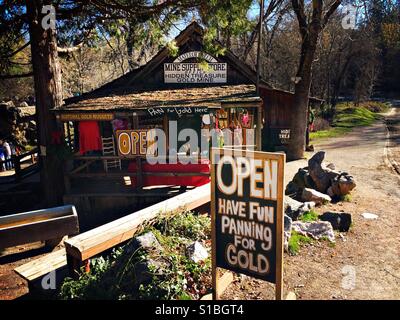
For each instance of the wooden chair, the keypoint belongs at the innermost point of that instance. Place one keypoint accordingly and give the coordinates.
(109, 150)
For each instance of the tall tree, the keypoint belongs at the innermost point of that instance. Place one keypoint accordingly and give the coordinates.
(24, 16)
(310, 28)
(48, 91)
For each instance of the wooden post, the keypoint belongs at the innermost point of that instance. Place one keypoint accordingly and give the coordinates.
(259, 127)
(214, 269)
(139, 174)
(280, 233)
(17, 167)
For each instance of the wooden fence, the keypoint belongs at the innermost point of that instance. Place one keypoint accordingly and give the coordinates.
(24, 164)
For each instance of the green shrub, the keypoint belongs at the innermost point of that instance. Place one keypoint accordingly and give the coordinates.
(309, 216)
(113, 277)
(296, 241)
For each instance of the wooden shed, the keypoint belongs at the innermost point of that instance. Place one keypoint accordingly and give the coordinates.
(109, 128)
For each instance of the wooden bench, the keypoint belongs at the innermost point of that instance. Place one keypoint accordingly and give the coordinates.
(49, 225)
(35, 271)
(86, 245)
(89, 244)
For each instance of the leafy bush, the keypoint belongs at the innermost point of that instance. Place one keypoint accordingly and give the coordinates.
(177, 277)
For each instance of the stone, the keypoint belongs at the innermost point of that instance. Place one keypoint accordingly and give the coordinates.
(301, 180)
(331, 166)
(196, 252)
(369, 216)
(342, 185)
(320, 173)
(316, 230)
(309, 195)
(291, 189)
(295, 209)
(291, 296)
(147, 242)
(287, 233)
(339, 220)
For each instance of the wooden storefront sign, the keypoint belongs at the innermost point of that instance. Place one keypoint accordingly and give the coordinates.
(86, 117)
(210, 72)
(247, 194)
(134, 143)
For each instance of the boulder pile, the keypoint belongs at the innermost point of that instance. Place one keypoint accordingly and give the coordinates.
(312, 186)
(320, 182)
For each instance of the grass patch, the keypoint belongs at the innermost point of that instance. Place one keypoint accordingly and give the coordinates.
(296, 241)
(309, 216)
(348, 117)
(346, 198)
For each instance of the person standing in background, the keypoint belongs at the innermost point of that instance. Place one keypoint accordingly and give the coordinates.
(8, 155)
(2, 157)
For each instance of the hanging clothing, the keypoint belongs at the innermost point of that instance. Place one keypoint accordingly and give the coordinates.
(89, 137)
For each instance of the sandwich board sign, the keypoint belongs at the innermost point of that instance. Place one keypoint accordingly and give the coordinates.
(247, 194)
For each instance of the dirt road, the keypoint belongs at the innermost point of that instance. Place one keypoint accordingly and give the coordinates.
(365, 263)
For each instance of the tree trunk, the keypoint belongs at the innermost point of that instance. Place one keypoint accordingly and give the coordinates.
(299, 121)
(48, 91)
(309, 33)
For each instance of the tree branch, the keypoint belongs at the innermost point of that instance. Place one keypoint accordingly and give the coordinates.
(18, 50)
(298, 7)
(70, 49)
(330, 12)
(16, 76)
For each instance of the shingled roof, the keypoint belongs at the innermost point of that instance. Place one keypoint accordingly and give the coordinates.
(211, 97)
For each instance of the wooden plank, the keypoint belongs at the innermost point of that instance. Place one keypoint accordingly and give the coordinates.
(35, 216)
(43, 265)
(93, 242)
(39, 231)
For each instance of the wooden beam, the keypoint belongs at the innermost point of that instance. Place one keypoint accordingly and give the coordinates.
(43, 265)
(38, 225)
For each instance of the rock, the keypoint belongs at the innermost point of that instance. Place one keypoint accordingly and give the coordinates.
(301, 180)
(295, 209)
(369, 216)
(291, 189)
(147, 242)
(291, 296)
(320, 173)
(316, 230)
(196, 252)
(315, 196)
(331, 166)
(287, 232)
(342, 185)
(339, 220)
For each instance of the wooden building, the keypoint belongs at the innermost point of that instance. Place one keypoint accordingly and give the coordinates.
(196, 90)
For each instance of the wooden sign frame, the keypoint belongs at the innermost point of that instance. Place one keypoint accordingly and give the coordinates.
(220, 283)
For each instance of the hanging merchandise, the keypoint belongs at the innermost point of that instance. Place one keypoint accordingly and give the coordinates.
(89, 137)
